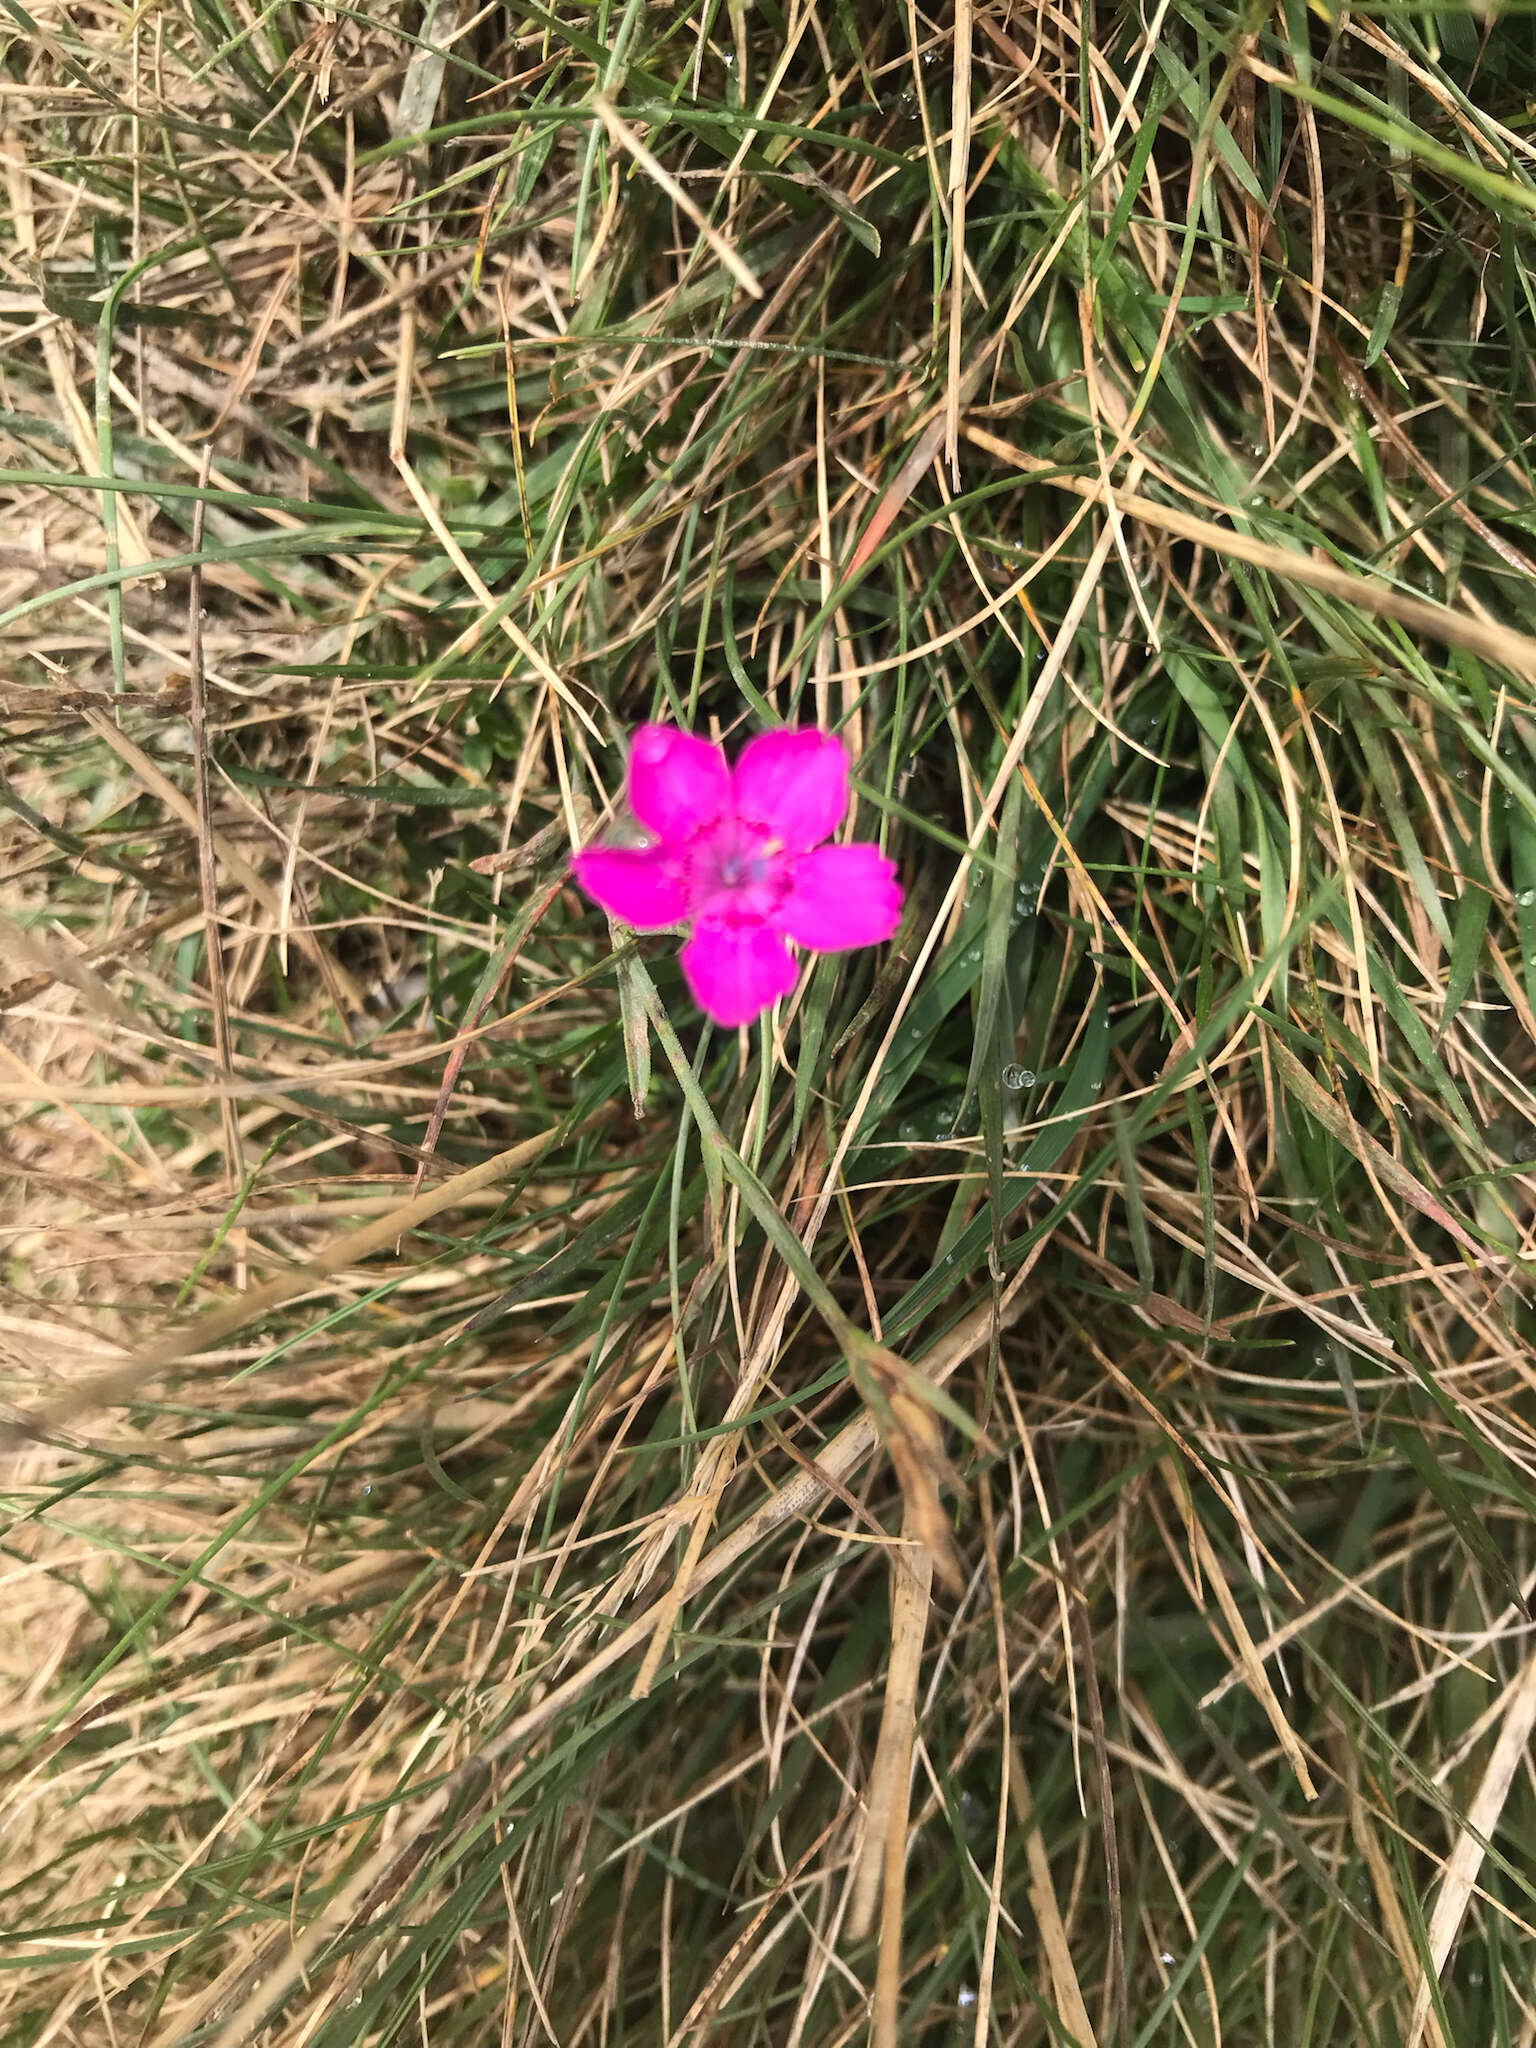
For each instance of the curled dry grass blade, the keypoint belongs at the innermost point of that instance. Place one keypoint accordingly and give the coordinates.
(469, 1484)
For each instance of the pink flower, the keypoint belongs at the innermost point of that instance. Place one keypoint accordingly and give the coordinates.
(738, 854)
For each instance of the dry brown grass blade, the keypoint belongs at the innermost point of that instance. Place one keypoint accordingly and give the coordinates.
(914, 1442)
(1065, 1989)
(1514, 651)
(907, 1428)
(628, 140)
(959, 177)
(721, 1468)
(1256, 1676)
(207, 859)
(1466, 1858)
(189, 1339)
(33, 1088)
(896, 494)
(1384, 1884)
(240, 383)
(890, 1773)
(911, 1595)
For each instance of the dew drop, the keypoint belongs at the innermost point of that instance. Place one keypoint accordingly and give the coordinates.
(1018, 1077)
(1526, 898)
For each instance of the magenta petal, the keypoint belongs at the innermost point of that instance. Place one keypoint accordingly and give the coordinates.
(795, 784)
(677, 783)
(841, 896)
(638, 884)
(736, 971)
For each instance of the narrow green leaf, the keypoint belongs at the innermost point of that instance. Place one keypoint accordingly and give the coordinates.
(1443, 1483)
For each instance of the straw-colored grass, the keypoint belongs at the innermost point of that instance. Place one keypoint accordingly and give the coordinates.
(997, 1506)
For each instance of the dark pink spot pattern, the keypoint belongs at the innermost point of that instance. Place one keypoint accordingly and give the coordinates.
(738, 854)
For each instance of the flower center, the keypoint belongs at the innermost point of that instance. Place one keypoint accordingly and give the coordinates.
(741, 870)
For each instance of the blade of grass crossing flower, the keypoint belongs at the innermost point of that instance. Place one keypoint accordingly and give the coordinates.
(637, 1035)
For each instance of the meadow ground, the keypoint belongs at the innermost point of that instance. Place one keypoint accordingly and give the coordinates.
(997, 1506)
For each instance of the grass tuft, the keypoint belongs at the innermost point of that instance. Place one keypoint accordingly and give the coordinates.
(999, 1505)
